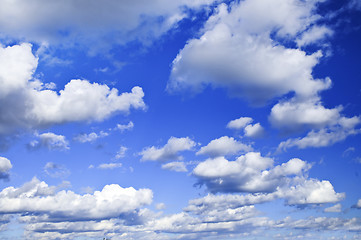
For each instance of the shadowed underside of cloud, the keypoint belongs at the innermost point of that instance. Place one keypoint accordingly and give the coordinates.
(100, 24)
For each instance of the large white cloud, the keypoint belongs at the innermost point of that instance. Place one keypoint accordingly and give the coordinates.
(26, 104)
(236, 52)
(169, 151)
(37, 197)
(224, 146)
(5, 166)
(97, 22)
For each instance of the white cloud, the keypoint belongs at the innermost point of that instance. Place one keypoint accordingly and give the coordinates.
(70, 23)
(123, 127)
(121, 152)
(175, 166)
(160, 206)
(254, 131)
(56, 170)
(224, 146)
(323, 224)
(250, 130)
(335, 208)
(37, 198)
(236, 52)
(311, 191)
(254, 173)
(5, 166)
(314, 35)
(91, 137)
(296, 115)
(169, 151)
(249, 173)
(239, 123)
(25, 105)
(358, 204)
(109, 165)
(325, 136)
(50, 141)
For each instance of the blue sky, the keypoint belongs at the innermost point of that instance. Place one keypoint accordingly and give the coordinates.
(180, 119)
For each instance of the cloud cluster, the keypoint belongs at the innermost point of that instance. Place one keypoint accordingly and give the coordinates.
(253, 173)
(250, 130)
(40, 200)
(26, 104)
(169, 151)
(242, 48)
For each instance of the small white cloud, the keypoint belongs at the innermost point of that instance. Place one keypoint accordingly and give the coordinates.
(56, 170)
(50, 141)
(110, 165)
(5, 166)
(91, 137)
(224, 146)
(335, 208)
(123, 127)
(348, 151)
(169, 151)
(175, 166)
(239, 123)
(160, 206)
(121, 152)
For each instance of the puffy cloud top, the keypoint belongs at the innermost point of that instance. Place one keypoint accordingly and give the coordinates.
(26, 104)
(37, 197)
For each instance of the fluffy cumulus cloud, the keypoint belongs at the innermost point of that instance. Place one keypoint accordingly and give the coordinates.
(224, 146)
(241, 49)
(92, 22)
(254, 174)
(169, 151)
(40, 200)
(50, 141)
(5, 166)
(236, 52)
(27, 104)
(250, 130)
